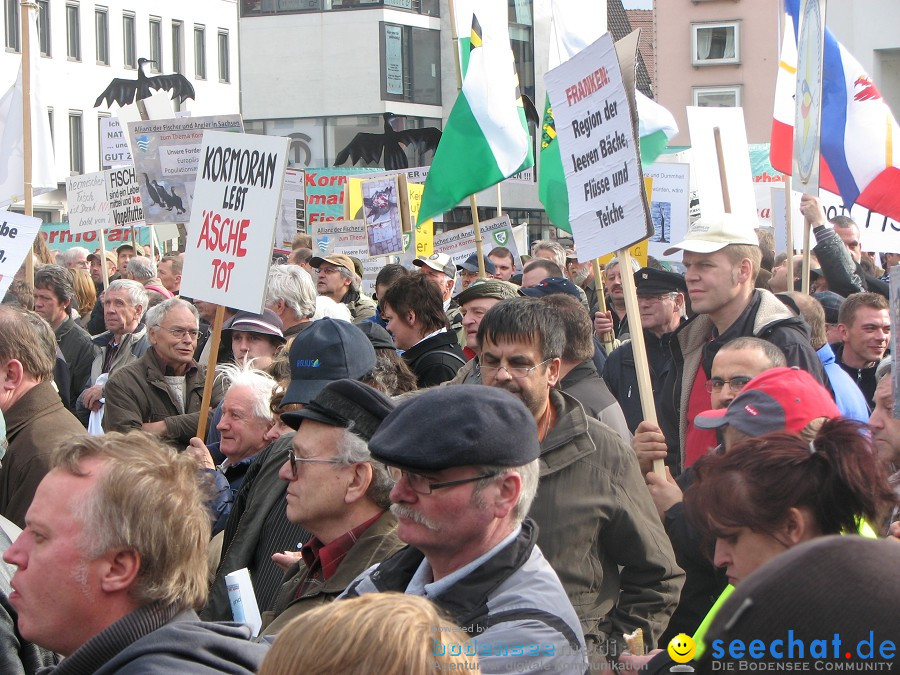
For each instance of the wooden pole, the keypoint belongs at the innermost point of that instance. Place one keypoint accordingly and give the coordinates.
(601, 302)
(645, 387)
(789, 220)
(804, 280)
(25, 16)
(103, 260)
(723, 178)
(214, 340)
(473, 202)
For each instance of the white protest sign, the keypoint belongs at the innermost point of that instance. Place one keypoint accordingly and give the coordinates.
(599, 153)
(348, 237)
(166, 156)
(114, 150)
(104, 199)
(232, 227)
(779, 222)
(736, 156)
(88, 204)
(459, 244)
(17, 233)
(670, 202)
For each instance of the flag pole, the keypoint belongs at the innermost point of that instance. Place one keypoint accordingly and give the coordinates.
(25, 16)
(103, 260)
(789, 218)
(473, 202)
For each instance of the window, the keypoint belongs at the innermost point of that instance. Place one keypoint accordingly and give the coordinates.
(76, 143)
(717, 97)
(715, 43)
(73, 32)
(52, 131)
(11, 11)
(101, 28)
(410, 64)
(177, 47)
(44, 26)
(200, 52)
(269, 7)
(128, 40)
(224, 73)
(156, 44)
(521, 39)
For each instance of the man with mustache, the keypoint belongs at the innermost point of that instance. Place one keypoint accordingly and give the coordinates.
(599, 528)
(461, 500)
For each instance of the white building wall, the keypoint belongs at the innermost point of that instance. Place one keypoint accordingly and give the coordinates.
(67, 85)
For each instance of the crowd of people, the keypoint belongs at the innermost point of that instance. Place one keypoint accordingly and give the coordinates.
(456, 474)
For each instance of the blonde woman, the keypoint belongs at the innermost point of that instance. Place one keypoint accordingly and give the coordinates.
(385, 633)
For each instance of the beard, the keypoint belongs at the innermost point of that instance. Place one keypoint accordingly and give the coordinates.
(532, 400)
(579, 275)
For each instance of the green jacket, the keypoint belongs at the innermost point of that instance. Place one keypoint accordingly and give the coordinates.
(600, 531)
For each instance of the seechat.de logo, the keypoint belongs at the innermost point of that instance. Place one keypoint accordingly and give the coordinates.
(307, 363)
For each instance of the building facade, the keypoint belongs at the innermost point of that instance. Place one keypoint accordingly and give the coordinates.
(84, 45)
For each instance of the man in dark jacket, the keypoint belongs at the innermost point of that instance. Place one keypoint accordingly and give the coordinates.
(865, 326)
(53, 296)
(36, 420)
(352, 528)
(721, 256)
(598, 526)
(113, 588)
(162, 391)
(661, 301)
(415, 318)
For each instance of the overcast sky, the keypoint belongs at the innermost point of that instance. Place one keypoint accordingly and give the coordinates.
(638, 4)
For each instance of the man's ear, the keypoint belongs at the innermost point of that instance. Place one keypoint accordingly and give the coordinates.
(120, 569)
(553, 371)
(13, 373)
(360, 480)
(507, 496)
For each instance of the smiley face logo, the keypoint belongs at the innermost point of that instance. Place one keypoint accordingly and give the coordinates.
(682, 648)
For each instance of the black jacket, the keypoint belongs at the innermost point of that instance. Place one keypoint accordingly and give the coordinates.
(864, 378)
(844, 275)
(435, 359)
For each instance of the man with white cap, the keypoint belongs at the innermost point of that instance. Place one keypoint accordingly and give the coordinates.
(441, 270)
(721, 258)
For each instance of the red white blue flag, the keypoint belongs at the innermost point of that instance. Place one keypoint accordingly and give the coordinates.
(859, 159)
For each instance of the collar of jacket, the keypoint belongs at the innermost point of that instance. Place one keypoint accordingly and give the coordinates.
(63, 328)
(582, 371)
(162, 367)
(467, 599)
(569, 440)
(105, 338)
(34, 403)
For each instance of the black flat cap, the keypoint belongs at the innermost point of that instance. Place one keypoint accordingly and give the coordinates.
(377, 335)
(457, 426)
(550, 286)
(650, 281)
(345, 403)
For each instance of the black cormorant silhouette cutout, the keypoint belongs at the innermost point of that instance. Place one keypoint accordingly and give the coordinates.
(125, 92)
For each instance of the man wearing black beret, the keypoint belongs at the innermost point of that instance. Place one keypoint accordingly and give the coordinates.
(461, 500)
(660, 297)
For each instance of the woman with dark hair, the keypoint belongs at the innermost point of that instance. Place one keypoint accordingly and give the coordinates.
(773, 492)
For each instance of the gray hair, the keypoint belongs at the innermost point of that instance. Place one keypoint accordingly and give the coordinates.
(352, 449)
(71, 254)
(635, 265)
(292, 284)
(141, 267)
(155, 315)
(136, 292)
(884, 367)
(260, 384)
(559, 253)
(355, 281)
(530, 474)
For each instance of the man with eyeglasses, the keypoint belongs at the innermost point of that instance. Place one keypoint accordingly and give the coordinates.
(338, 494)
(661, 303)
(461, 501)
(161, 391)
(336, 278)
(598, 526)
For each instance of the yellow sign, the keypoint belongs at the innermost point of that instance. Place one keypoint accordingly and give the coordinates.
(638, 252)
(353, 204)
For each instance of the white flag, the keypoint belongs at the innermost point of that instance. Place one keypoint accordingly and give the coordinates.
(12, 141)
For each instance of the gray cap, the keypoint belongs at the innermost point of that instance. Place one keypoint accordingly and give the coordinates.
(488, 288)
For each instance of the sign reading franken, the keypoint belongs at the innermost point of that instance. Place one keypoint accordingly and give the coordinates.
(599, 151)
(166, 158)
(232, 227)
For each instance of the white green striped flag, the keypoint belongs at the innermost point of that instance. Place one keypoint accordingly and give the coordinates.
(486, 138)
(575, 25)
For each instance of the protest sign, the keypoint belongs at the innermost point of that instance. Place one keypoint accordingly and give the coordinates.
(114, 150)
(736, 158)
(104, 199)
(808, 96)
(386, 213)
(348, 237)
(424, 232)
(459, 244)
(599, 152)
(292, 207)
(232, 228)
(17, 233)
(60, 238)
(166, 157)
(670, 202)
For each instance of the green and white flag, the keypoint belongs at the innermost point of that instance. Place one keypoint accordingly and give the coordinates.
(575, 25)
(486, 138)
